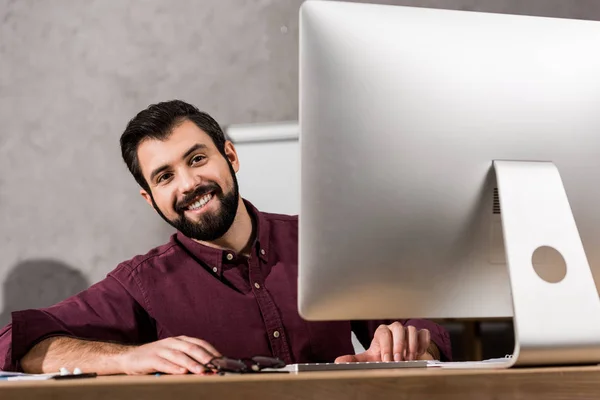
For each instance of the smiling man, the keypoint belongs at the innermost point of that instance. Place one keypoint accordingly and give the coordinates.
(225, 283)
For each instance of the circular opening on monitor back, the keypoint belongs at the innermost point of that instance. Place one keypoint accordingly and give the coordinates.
(549, 264)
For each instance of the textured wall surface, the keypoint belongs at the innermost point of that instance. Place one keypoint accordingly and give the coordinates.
(73, 72)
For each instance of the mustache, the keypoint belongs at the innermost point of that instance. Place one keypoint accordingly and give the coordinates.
(181, 205)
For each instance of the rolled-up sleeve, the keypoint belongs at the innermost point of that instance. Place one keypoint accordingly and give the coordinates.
(108, 311)
(365, 330)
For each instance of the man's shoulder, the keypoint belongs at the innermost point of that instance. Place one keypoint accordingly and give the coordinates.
(281, 222)
(156, 255)
(291, 219)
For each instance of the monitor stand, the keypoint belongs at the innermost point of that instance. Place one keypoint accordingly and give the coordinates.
(555, 323)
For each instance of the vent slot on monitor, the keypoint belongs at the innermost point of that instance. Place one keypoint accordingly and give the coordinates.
(496, 203)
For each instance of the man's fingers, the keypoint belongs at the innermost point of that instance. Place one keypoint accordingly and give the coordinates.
(346, 359)
(384, 338)
(365, 356)
(412, 340)
(202, 343)
(399, 339)
(193, 350)
(162, 365)
(181, 359)
(424, 340)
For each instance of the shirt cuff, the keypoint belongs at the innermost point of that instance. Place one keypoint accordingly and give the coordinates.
(30, 327)
(442, 341)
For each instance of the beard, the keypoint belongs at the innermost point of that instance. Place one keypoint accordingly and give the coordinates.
(210, 225)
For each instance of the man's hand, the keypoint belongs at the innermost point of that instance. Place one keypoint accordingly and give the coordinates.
(176, 355)
(395, 342)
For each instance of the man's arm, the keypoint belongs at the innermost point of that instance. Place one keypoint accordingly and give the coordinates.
(104, 329)
(110, 311)
(52, 354)
(173, 355)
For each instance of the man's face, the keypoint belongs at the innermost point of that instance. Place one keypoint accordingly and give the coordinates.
(192, 186)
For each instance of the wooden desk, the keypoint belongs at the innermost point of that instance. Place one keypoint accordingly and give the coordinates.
(547, 383)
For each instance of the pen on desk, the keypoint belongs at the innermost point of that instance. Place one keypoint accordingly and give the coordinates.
(78, 376)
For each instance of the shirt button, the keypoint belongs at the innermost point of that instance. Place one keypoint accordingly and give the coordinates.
(229, 256)
(215, 270)
(263, 252)
(276, 334)
(256, 285)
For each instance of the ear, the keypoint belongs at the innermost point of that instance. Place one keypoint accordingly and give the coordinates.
(232, 156)
(146, 197)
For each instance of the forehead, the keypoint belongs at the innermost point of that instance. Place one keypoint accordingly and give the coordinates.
(154, 153)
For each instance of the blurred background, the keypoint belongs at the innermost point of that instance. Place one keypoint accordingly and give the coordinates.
(73, 72)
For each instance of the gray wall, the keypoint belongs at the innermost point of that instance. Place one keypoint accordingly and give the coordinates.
(73, 72)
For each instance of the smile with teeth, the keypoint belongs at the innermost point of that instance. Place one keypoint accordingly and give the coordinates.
(200, 202)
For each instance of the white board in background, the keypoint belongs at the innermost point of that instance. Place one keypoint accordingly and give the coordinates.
(269, 174)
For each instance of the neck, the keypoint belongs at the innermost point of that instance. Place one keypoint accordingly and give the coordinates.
(239, 237)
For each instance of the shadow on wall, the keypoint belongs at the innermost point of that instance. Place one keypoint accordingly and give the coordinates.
(39, 283)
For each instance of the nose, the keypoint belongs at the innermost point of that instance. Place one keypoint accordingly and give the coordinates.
(187, 181)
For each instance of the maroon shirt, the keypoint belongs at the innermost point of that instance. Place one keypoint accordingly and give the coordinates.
(243, 306)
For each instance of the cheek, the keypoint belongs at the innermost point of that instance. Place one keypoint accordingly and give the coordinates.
(164, 201)
(221, 175)
(226, 183)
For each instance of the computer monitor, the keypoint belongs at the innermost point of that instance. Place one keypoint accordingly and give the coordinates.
(407, 118)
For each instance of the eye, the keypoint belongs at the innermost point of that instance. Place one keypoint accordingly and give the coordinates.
(164, 177)
(197, 159)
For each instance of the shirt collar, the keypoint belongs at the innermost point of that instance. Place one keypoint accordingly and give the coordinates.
(214, 257)
(260, 247)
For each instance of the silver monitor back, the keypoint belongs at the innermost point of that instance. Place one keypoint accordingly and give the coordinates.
(402, 111)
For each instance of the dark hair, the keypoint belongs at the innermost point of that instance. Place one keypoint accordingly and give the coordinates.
(157, 122)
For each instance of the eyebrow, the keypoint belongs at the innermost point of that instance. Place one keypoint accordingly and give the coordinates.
(196, 147)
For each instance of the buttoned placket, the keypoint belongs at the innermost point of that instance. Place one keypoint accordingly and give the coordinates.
(268, 309)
